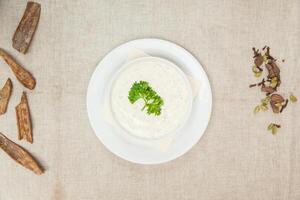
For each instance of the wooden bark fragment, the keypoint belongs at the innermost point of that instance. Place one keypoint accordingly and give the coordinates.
(24, 120)
(26, 28)
(22, 74)
(20, 155)
(5, 93)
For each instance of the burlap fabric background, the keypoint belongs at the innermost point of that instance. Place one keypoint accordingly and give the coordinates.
(235, 159)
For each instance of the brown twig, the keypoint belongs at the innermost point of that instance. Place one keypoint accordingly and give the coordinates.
(285, 105)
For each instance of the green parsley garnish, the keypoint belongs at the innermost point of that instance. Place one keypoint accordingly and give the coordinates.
(142, 90)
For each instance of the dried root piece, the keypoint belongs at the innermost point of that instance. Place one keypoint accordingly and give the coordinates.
(20, 155)
(5, 93)
(24, 120)
(22, 74)
(27, 26)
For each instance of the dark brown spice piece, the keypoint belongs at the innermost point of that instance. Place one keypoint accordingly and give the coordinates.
(267, 89)
(276, 99)
(285, 105)
(256, 52)
(20, 155)
(258, 61)
(27, 26)
(268, 54)
(257, 84)
(273, 70)
(277, 125)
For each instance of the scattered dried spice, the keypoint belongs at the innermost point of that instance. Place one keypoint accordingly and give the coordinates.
(22, 74)
(26, 28)
(20, 155)
(5, 94)
(269, 85)
(24, 120)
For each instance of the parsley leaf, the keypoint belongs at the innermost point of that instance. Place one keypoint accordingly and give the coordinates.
(152, 101)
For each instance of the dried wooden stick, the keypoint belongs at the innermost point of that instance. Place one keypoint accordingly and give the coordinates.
(24, 120)
(22, 74)
(5, 93)
(27, 26)
(20, 155)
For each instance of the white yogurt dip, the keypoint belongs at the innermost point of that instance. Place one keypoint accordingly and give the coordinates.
(170, 84)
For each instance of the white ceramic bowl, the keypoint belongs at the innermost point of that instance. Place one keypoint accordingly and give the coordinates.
(118, 125)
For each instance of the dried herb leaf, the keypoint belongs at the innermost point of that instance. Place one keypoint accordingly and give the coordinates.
(293, 98)
(274, 82)
(270, 127)
(5, 94)
(274, 130)
(20, 155)
(257, 74)
(256, 109)
(27, 26)
(264, 107)
(265, 100)
(265, 58)
(24, 119)
(22, 74)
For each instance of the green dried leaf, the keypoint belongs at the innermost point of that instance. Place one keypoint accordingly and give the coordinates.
(257, 74)
(265, 101)
(256, 109)
(270, 126)
(293, 98)
(256, 71)
(264, 107)
(265, 58)
(274, 82)
(273, 127)
(274, 130)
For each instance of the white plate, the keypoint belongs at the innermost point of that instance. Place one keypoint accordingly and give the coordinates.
(191, 132)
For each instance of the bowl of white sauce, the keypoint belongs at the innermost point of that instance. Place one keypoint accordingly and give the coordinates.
(168, 81)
